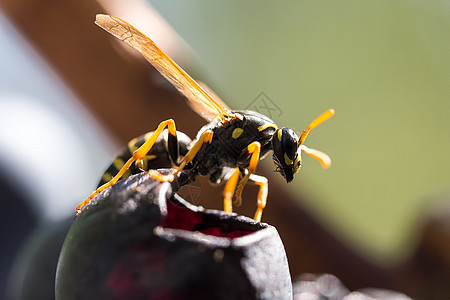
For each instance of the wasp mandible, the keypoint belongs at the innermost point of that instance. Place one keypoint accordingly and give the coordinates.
(227, 149)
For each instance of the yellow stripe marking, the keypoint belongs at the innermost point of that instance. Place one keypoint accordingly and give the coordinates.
(237, 133)
(118, 163)
(150, 157)
(239, 116)
(126, 174)
(279, 135)
(132, 145)
(106, 177)
(287, 160)
(264, 127)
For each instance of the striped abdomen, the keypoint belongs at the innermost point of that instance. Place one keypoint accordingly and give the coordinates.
(157, 157)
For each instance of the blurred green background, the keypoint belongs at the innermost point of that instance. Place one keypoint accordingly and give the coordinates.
(384, 67)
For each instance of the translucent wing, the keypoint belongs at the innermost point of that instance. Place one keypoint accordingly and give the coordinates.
(206, 112)
(202, 102)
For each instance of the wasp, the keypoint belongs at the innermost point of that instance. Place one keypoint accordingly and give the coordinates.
(227, 149)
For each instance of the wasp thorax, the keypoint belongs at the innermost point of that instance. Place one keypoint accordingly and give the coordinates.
(285, 152)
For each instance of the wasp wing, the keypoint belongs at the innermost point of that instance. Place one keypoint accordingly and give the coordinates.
(202, 102)
(206, 112)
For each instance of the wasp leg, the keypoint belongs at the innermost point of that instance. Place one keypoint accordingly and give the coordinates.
(142, 151)
(228, 191)
(101, 188)
(137, 157)
(262, 194)
(206, 137)
(255, 149)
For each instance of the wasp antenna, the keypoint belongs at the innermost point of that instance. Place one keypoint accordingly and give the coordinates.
(323, 158)
(320, 119)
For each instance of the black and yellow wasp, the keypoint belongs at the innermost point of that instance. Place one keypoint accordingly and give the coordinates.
(227, 149)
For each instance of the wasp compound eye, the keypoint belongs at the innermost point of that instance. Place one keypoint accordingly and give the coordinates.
(285, 146)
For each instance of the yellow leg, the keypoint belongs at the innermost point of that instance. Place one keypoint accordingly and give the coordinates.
(137, 157)
(228, 191)
(108, 184)
(206, 137)
(255, 149)
(262, 194)
(142, 151)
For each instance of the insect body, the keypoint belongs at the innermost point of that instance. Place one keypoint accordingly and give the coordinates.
(158, 156)
(227, 149)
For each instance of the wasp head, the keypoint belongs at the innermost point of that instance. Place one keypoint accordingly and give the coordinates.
(286, 154)
(287, 148)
